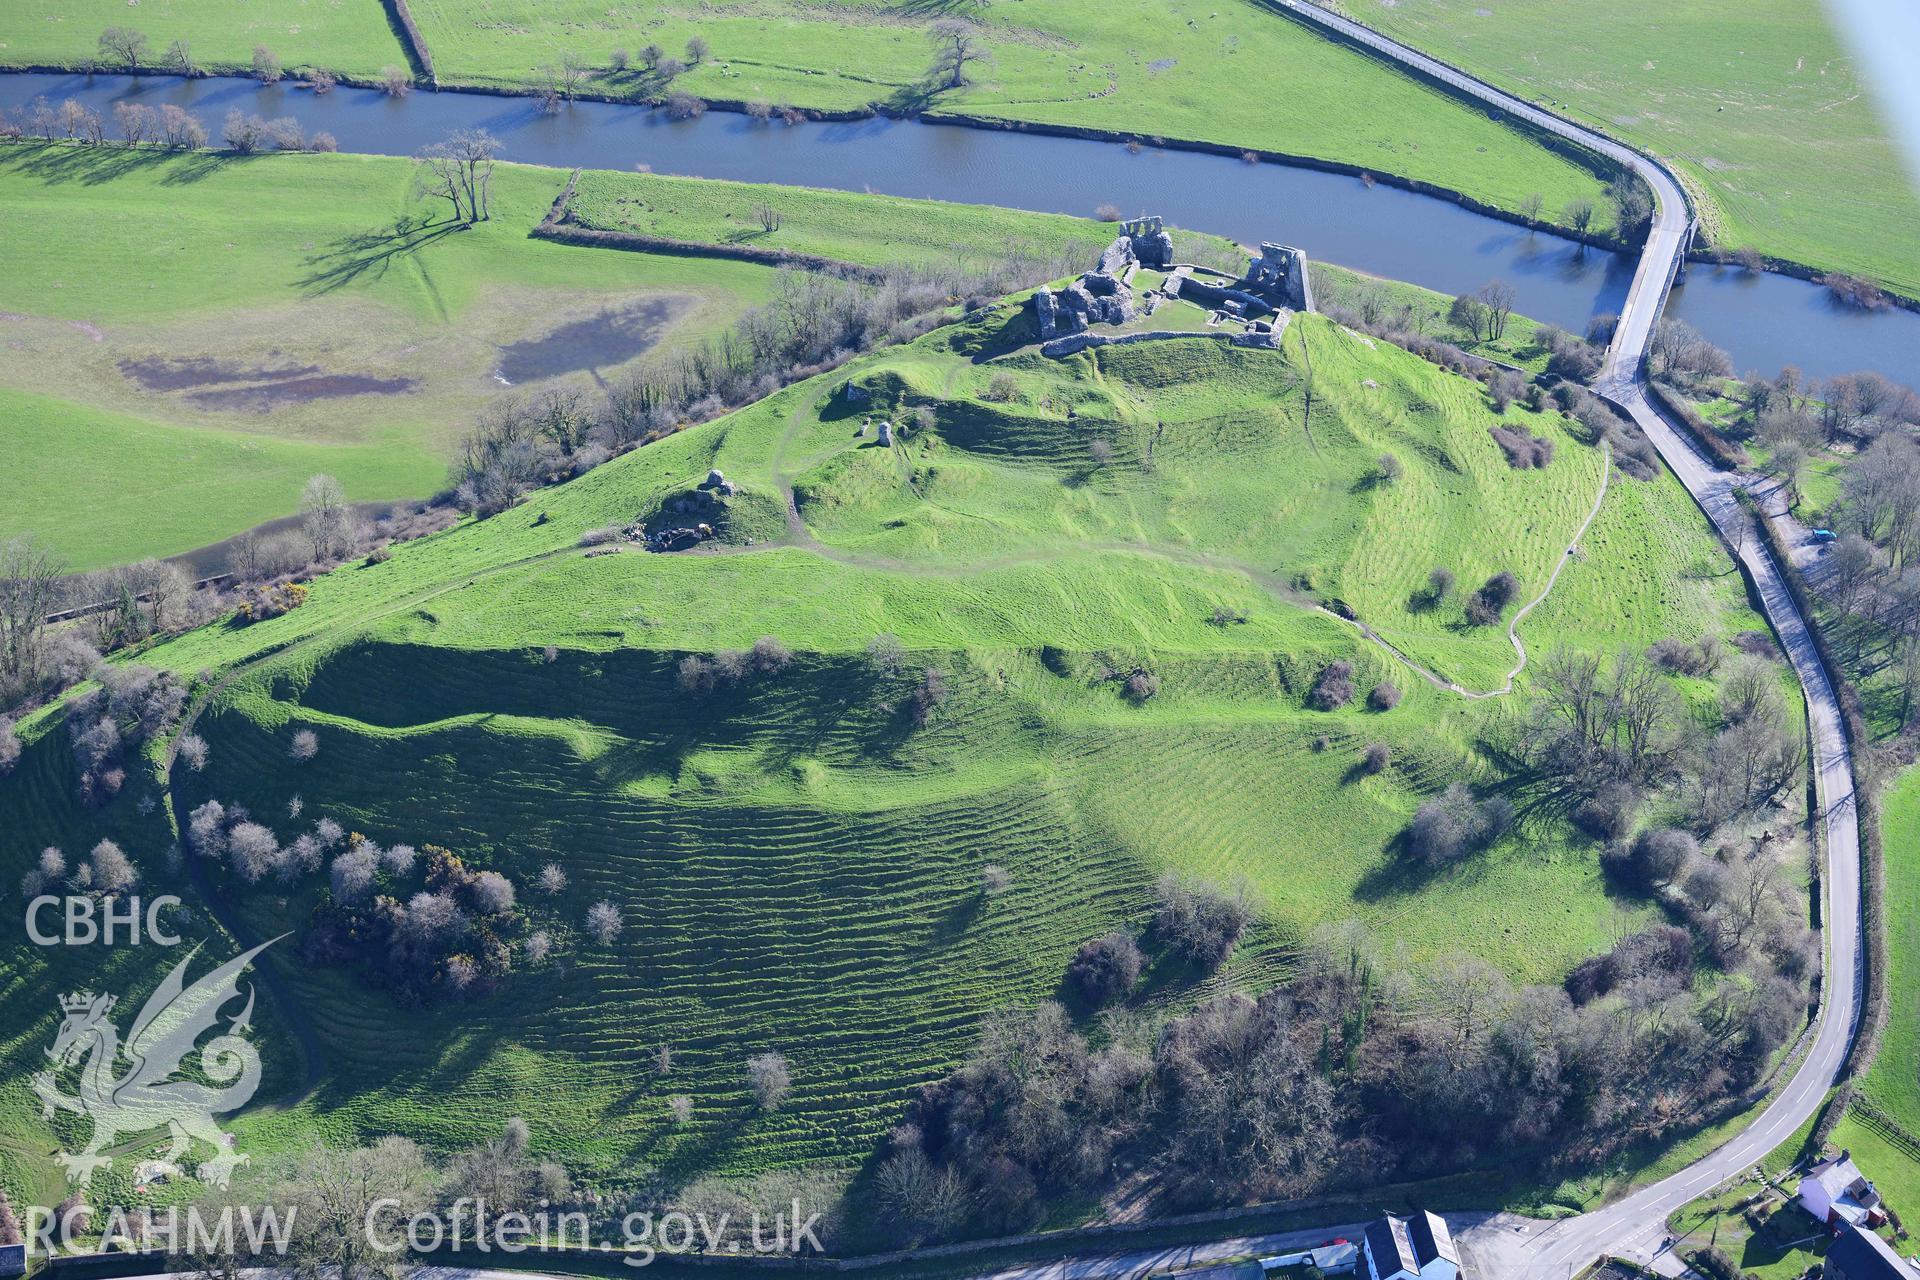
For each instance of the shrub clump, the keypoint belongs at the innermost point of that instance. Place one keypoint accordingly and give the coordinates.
(1524, 450)
(1332, 688)
(1385, 696)
(270, 600)
(1485, 606)
(1199, 922)
(1106, 968)
(1454, 824)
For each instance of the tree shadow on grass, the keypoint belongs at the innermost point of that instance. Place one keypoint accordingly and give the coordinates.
(912, 99)
(196, 165)
(370, 253)
(58, 163)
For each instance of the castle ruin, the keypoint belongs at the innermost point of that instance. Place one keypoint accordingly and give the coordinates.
(1252, 310)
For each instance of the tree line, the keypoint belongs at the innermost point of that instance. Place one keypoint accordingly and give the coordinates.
(1363, 1069)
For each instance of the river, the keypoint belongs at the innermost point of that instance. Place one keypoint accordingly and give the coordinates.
(1764, 321)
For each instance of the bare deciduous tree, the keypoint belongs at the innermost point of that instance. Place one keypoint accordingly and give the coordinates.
(125, 47)
(30, 577)
(603, 922)
(769, 1079)
(138, 122)
(459, 170)
(956, 46)
(324, 515)
(1497, 297)
(332, 1195)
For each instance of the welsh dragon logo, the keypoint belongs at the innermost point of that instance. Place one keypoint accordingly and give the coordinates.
(144, 1096)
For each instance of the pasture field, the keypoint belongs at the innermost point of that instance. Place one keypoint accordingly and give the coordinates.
(1756, 102)
(798, 866)
(106, 487)
(1235, 74)
(348, 37)
(872, 230)
(223, 327)
(1882, 1133)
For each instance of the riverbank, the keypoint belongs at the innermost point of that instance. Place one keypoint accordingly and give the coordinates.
(1438, 242)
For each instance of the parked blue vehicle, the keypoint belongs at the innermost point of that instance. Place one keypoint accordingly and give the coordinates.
(1825, 535)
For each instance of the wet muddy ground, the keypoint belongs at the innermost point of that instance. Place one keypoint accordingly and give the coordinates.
(612, 337)
(216, 384)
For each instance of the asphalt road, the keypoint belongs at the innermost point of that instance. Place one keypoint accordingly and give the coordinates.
(1503, 1246)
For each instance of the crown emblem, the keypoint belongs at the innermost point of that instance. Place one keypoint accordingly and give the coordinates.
(84, 1001)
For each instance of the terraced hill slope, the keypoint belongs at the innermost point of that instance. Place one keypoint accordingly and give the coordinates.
(797, 863)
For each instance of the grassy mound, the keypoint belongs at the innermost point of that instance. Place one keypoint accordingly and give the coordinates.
(798, 860)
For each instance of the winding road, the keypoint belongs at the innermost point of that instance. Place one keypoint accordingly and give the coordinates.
(1505, 1246)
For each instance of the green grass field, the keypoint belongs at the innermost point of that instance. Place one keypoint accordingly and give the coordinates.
(873, 230)
(1758, 104)
(1176, 71)
(351, 37)
(1882, 1134)
(1154, 71)
(798, 868)
(322, 263)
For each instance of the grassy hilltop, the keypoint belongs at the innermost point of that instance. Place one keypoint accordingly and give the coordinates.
(797, 864)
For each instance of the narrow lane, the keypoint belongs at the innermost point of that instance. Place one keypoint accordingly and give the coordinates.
(1637, 1222)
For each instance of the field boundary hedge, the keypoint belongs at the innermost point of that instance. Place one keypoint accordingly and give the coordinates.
(573, 233)
(402, 19)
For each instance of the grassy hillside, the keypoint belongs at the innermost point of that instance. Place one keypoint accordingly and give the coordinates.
(1758, 104)
(798, 865)
(1152, 70)
(184, 322)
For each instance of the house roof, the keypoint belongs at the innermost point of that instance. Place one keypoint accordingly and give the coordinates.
(1862, 1255)
(1835, 1175)
(1409, 1244)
